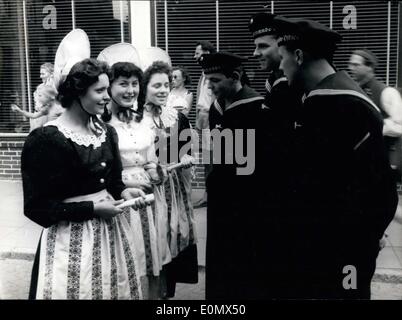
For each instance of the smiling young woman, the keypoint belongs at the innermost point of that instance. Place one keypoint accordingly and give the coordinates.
(168, 124)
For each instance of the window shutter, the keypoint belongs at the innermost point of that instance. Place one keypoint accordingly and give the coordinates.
(47, 24)
(371, 33)
(192, 20)
(101, 20)
(188, 22)
(12, 66)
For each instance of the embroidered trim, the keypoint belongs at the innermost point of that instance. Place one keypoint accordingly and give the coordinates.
(111, 227)
(147, 239)
(131, 269)
(74, 262)
(168, 198)
(329, 92)
(264, 30)
(212, 69)
(97, 292)
(50, 245)
(85, 140)
(177, 231)
(189, 213)
(287, 38)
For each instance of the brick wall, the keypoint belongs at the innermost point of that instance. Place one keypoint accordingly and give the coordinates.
(10, 156)
(10, 160)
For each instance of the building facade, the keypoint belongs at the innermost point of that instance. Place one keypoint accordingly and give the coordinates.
(30, 32)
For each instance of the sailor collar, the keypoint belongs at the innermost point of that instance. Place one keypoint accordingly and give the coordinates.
(326, 88)
(277, 81)
(244, 96)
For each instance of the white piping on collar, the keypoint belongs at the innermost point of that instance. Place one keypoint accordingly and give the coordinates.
(242, 101)
(304, 98)
(218, 107)
(361, 141)
(329, 92)
(281, 79)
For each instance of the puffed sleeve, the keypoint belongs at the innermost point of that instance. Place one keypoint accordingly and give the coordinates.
(44, 163)
(114, 182)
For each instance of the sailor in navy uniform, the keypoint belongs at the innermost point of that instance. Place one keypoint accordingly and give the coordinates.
(280, 100)
(277, 124)
(345, 194)
(234, 256)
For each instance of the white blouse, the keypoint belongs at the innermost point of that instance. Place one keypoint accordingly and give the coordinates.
(177, 101)
(136, 143)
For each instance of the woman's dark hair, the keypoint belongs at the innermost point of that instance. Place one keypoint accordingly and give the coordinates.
(127, 70)
(81, 76)
(184, 73)
(154, 68)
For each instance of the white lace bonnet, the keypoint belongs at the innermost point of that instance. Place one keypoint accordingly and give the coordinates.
(73, 48)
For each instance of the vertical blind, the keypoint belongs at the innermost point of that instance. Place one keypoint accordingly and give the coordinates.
(47, 22)
(188, 22)
(227, 21)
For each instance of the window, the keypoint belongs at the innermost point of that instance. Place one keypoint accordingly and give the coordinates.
(225, 23)
(12, 65)
(23, 51)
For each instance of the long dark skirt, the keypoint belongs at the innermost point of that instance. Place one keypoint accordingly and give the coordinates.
(182, 269)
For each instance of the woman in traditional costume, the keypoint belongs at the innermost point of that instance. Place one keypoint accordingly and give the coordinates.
(71, 172)
(169, 124)
(139, 160)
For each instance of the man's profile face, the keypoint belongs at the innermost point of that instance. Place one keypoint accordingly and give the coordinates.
(199, 52)
(357, 68)
(221, 86)
(266, 51)
(288, 65)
